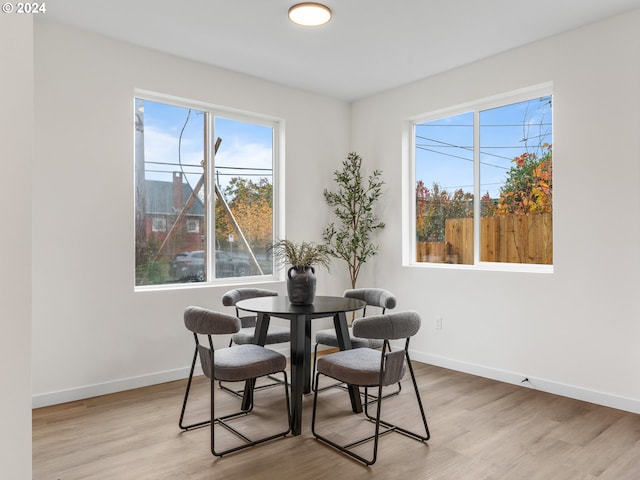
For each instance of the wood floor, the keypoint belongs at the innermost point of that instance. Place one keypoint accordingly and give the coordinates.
(481, 430)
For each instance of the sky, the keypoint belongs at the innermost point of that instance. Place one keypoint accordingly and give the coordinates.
(174, 140)
(444, 147)
(444, 152)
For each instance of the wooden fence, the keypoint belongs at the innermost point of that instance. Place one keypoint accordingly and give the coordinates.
(504, 238)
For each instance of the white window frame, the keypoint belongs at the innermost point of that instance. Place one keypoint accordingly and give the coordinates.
(193, 225)
(212, 111)
(157, 221)
(409, 174)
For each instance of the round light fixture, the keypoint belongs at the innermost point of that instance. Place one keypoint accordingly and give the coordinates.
(309, 14)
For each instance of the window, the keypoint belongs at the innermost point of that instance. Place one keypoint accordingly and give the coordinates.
(483, 183)
(193, 225)
(158, 224)
(204, 185)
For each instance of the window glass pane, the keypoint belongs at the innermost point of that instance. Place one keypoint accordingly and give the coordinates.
(516, 183)
(177, 239)
(444, 160)
(513, 163)
(244, 197)
(170, 208)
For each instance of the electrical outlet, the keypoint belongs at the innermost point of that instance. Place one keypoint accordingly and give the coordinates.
(439, 322)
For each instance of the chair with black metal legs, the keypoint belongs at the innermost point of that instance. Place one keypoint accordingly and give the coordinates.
(275, 333)
(246, 335)
(370, 368)
(238, 363)
(379, 298)
(188, 388)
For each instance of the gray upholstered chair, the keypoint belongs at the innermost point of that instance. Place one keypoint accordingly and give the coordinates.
(246, 335)
(373, 297)
(370, 368)
(233, 364)
(275, 334)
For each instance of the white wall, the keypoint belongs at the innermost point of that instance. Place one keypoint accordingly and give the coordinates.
(575, 331)
(16, 152)
(91, 332)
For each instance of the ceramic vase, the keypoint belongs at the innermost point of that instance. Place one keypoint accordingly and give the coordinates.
(301, 285)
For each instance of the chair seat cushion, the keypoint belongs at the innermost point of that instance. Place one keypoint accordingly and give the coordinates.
(275, 334)
(360, 367)
(242, 362)
(329, 337)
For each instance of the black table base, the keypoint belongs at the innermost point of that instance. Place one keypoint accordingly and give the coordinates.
(300, 317)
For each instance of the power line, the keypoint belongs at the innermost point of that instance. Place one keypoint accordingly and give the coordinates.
(483, 150)
(467, 159)
(245, 168)
(245, 175)
(216, 166)
(219, 174)
(423, 125)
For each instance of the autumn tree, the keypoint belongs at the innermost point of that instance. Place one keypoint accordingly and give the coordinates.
(529, 185)
(434, 206)
(251, 204)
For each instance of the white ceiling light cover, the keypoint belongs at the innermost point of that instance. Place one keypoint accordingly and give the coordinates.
(309, 14)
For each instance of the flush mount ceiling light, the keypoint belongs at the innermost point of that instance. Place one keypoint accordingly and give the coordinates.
(309, 14)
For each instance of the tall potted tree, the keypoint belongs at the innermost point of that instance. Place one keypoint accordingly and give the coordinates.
(353, 202)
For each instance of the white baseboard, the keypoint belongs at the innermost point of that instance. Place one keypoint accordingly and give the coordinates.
(571, 391)
(88, 391)
(544, 385)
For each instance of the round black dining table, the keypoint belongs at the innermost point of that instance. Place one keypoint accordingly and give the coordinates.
(300, 317)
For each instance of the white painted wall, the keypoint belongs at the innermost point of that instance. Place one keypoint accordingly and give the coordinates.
(16, 154)
(575, 331)
(91, 332)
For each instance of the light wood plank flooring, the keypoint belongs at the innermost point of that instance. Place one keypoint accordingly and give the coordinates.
(481, 430)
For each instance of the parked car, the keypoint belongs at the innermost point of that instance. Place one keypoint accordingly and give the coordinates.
(228, 266)
(189, 266)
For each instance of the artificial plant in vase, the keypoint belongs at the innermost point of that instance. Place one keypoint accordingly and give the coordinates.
(301, 278)
(353, 202)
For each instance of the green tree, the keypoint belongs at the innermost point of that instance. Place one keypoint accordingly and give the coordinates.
(434, 206)
(251, 204)
(529, 185)
(353, 204)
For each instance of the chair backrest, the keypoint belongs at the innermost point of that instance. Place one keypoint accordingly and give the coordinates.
(375, 297)
(390, 326)
(393, 369)
(206, 360)
(230, 299)
(207, 322)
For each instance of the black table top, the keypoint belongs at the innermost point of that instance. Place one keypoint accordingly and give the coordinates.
(322, 305)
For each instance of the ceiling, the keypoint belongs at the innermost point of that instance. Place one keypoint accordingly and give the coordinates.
(369, 46)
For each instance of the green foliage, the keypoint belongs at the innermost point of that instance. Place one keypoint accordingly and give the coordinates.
(434, 206)
(529, 185)
(149, 271)
(353, 204)
(247, 192)
(300, 255)
(252, 206)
